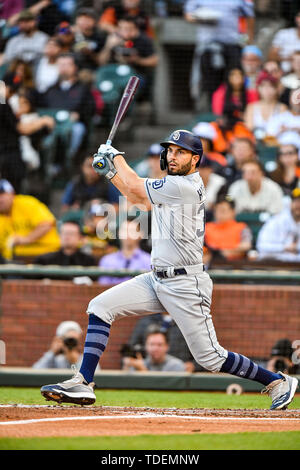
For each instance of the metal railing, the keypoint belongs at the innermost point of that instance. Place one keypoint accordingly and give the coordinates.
(230, 275)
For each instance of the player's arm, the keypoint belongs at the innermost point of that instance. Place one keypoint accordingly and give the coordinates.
(129, 183)
(110, 162)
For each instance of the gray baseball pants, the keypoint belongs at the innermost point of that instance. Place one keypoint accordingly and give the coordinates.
(187, 298)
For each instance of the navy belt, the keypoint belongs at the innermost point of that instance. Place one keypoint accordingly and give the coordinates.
(163, 274)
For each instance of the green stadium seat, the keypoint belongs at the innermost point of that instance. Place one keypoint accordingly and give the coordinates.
(254, 220)
(3, 70)
(74, 216)
(60, 137)
(111, 80)
(267, 156)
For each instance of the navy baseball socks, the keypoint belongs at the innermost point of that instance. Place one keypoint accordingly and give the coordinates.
(280, 387)
(95, 344)
(237, 364)
(80, 388)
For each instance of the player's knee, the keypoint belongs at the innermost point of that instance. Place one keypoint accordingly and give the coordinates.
(213, 362)
(96, 307)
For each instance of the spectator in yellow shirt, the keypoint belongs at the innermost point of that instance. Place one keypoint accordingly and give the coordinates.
(27, 227)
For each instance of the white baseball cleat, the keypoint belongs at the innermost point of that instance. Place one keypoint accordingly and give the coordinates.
(281, 391)
(75, 390)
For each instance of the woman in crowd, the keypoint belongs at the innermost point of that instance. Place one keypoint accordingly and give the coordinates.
(258, 115)
(287, 173)
(232, 97)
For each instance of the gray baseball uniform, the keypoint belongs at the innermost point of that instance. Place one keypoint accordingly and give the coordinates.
(177, 242)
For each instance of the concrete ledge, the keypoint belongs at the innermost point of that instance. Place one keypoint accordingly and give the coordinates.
(109, 379)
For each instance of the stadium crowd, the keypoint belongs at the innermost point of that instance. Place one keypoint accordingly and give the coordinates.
(64, 65)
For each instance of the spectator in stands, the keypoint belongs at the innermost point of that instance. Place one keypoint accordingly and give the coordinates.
(254, 192)
(208, 135)
(130, 256)
(272, 67)
(281, 357)
(49, 13)
(113, 13)
(232, 96)
(241, 151)
(27, 227)
(153, 160)
(212, 181)
(252, 60)
(10, 8)
(64, 348)
(228, 128)
(177, 344)
(157, 357)
(279, 238)
(150, 166)
(259, 114)
(70, 253)
(287, 173)
(218, 40)
(71, 95)
(84, 187)
(66, 36)
(47, 72)
(131, 47)
(88, 41)
(285, 43)
(19, 74)
(29, 44)
(292, 80)
(225, 236)
(11, 165)
(288, 121)
(99, 237)
(33, 128)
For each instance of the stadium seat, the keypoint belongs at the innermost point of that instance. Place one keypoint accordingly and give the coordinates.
(3, 69)
(60, 137)
(111, 80)
(254, 220)
(267, 156)
(73, 215)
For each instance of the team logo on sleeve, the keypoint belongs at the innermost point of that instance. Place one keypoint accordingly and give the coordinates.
(157, 184)
(176, 135)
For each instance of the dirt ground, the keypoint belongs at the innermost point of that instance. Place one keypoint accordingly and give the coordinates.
(59, 420)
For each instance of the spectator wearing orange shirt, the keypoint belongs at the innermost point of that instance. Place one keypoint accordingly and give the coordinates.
(225, 236)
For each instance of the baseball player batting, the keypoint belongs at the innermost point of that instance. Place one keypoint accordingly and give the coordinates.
(177, 283)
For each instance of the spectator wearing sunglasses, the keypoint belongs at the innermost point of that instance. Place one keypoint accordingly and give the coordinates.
(287, 173)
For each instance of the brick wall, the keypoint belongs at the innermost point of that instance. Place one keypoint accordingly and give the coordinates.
(248, 318)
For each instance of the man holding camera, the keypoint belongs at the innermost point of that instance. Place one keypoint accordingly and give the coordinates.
(64, 350)
(156, 358)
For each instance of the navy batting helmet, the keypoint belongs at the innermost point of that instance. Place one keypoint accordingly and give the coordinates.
(184, 139)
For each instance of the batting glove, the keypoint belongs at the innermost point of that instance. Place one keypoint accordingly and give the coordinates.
(104, 166)
(109, 151)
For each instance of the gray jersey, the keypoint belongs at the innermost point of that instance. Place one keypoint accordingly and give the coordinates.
(177, 219)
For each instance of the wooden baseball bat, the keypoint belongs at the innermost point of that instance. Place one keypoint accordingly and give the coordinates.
(126, 99)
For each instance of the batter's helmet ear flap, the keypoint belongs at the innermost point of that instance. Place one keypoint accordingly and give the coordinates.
(163, 159)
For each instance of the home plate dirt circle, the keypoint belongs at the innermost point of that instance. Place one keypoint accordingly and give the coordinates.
(68, 421)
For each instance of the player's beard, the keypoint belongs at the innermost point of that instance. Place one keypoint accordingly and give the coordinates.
(183, 170)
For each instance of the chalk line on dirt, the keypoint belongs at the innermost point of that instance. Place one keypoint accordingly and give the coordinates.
(141, 416)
